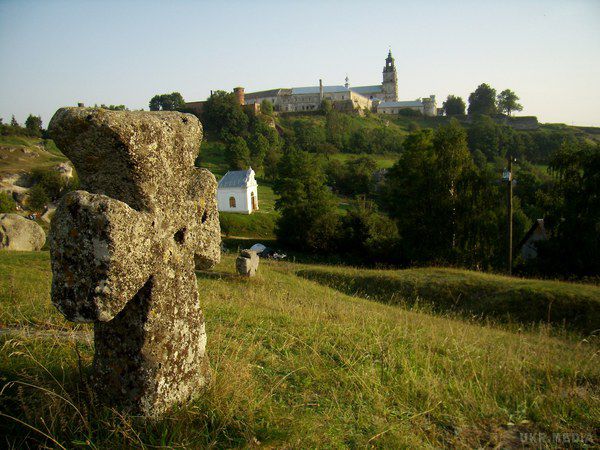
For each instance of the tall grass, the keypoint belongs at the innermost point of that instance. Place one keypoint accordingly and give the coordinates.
(298, 364)
(467, 293)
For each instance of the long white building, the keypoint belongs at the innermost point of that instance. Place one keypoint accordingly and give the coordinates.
(343, 97)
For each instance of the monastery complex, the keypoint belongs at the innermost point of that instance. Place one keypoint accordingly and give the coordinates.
(381, 98)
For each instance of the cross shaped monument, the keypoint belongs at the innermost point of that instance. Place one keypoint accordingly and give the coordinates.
(123, 251)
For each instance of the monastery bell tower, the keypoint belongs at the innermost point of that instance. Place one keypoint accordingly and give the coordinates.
(390, 80)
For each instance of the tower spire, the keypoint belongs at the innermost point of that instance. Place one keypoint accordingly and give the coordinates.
(347, 82)
(390, 79)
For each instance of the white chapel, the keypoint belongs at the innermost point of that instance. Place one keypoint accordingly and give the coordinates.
(237, 192)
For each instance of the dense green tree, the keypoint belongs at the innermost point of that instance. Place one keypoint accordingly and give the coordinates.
(479, 159)
(33, 125)
(494, 140)
(237, 153)
(335, 173)
(481, 220)
(13, 128)
(358, 176)
(7, 204)
(573, 213)
(413, 126)
(484, 136)
(544, 143)
(367, 234)
(508, 102)
(259, 147)
(337, 129)
(409, 197)
(385, 139)
(38, 198)
(266, 128)
(167, 102)
(483, 100)
(115, 107)
(326, 106)
(52, 182)
(224, 116)
(271, 162)
(308, 218)
(446, 209)
(359, 141)
(408, 112)
(530, 188)
(266, 107)
(308, 136)
(454, 106)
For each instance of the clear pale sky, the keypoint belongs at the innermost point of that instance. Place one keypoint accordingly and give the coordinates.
(57, 53)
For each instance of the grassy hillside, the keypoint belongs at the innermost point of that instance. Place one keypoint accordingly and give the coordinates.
(298, 364)
(383, 161)
(21, 154)
(468, 293)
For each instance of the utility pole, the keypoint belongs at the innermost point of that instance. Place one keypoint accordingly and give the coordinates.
(507, 176)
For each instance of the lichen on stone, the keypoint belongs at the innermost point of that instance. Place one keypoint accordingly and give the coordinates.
(124, 250)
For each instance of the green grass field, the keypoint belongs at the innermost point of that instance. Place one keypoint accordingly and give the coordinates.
(383, 161)
(259, 224)
(20, 154)
(299, 364)
(471, 294)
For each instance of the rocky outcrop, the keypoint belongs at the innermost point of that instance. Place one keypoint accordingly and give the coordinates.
(20, 234)
(65, 170)
(247, 263)
(123, 251)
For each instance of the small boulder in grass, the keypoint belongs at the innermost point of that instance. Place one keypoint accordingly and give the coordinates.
(20, 234)
(247, 263)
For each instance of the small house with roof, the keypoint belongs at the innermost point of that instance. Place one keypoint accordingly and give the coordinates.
(237, 192)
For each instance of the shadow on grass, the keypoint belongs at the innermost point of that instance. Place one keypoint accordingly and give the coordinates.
(47, 400)
(470, 297)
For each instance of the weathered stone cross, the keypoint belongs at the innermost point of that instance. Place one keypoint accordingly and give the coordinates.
(123, 251)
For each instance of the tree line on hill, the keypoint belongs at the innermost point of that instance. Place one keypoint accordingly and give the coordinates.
(249, 139)
(441, 203)
(32, 128)
(484, 101)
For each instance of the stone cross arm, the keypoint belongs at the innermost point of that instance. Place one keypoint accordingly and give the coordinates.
(108, 243)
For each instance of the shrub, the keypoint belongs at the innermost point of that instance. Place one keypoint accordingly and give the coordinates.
(53, 183)
(38, 198)
(266, 107)
(7, 204)
(409, 113)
